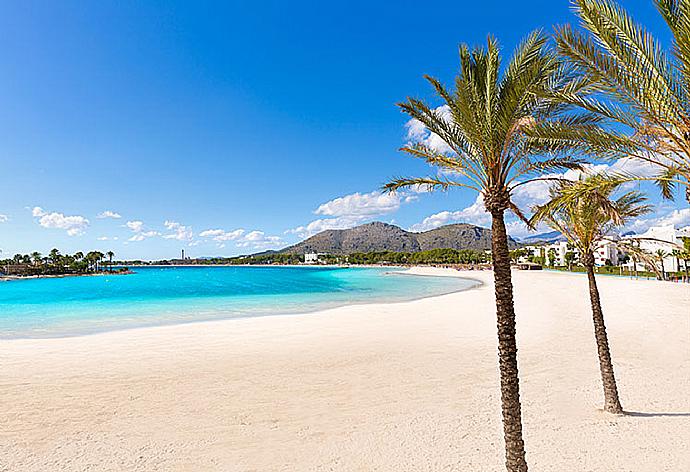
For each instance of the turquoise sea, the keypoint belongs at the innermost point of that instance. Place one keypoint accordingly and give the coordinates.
(69, 306)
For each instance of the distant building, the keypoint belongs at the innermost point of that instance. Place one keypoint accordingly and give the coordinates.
(312, 257)
(666, 238)
(550, 252)
(607, 253)
(15, 269)
(554, 254)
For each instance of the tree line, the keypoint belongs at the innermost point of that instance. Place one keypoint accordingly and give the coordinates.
(56, 263)
(432, 256)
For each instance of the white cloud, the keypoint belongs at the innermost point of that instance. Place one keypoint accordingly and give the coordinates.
(74, 225)
(109, 214)
(474, 214)
(180, 232)
(253, 239)
(140, 236)
(356, 208)
(418, 133)
(360, 205)
(259, 240)
(220, 235)
(106, 238)
(135, 225)
(4, 218)
(678, 218)
(324, 224)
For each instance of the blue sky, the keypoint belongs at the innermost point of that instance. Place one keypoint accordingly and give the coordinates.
(229, 127)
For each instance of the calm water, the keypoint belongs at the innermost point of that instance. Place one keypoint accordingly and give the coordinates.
(154, 296)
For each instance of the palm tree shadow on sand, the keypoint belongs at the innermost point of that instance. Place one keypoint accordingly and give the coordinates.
(640, 414)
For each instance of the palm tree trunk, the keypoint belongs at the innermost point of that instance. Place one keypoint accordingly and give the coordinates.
(507, 347)
(612, 403)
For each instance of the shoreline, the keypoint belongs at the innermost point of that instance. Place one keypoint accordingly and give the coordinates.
(411, 271)
(408, 386)
(9, 278)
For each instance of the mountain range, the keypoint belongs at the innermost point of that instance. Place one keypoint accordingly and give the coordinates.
(548, 237)
(379, 236)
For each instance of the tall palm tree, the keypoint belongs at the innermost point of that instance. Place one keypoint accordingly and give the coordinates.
(587, 219)
(628, 79)
(484, 126)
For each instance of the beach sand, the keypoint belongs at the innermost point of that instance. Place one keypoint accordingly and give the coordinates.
(397, 387)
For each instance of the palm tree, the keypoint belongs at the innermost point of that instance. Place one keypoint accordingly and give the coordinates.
(646, 90)
(36, 257)
(54, 256)
(570, 257)
(677, 254)
(686, 258)
(110, 255)
(552, 257)
(586, 219)
(485, 126)
(660, 255)
(93, 257)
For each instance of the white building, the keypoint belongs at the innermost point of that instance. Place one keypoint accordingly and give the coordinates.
(314, 257)
(554, 254)
(557, 252)
(311, 258)
(607, 252)
(666, 238)
(550, 252)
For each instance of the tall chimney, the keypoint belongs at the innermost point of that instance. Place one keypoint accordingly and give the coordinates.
(183, 254)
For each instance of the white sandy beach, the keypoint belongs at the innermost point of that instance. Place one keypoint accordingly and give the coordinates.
(399, 387)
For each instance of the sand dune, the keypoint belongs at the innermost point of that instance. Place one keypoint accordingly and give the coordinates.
(398, 387)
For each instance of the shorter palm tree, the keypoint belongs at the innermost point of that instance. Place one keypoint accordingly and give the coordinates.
(36, 258)
(677, 254)
(661, 255)
(686, 258)
(586, 218)
(110, 255)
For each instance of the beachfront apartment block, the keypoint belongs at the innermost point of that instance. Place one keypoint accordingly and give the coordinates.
(553, 254)
(666, 238)
(607, 253)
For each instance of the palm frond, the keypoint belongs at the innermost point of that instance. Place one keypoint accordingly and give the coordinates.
(586, 211)
(432, 183)
(625, 76)
(498, 129)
